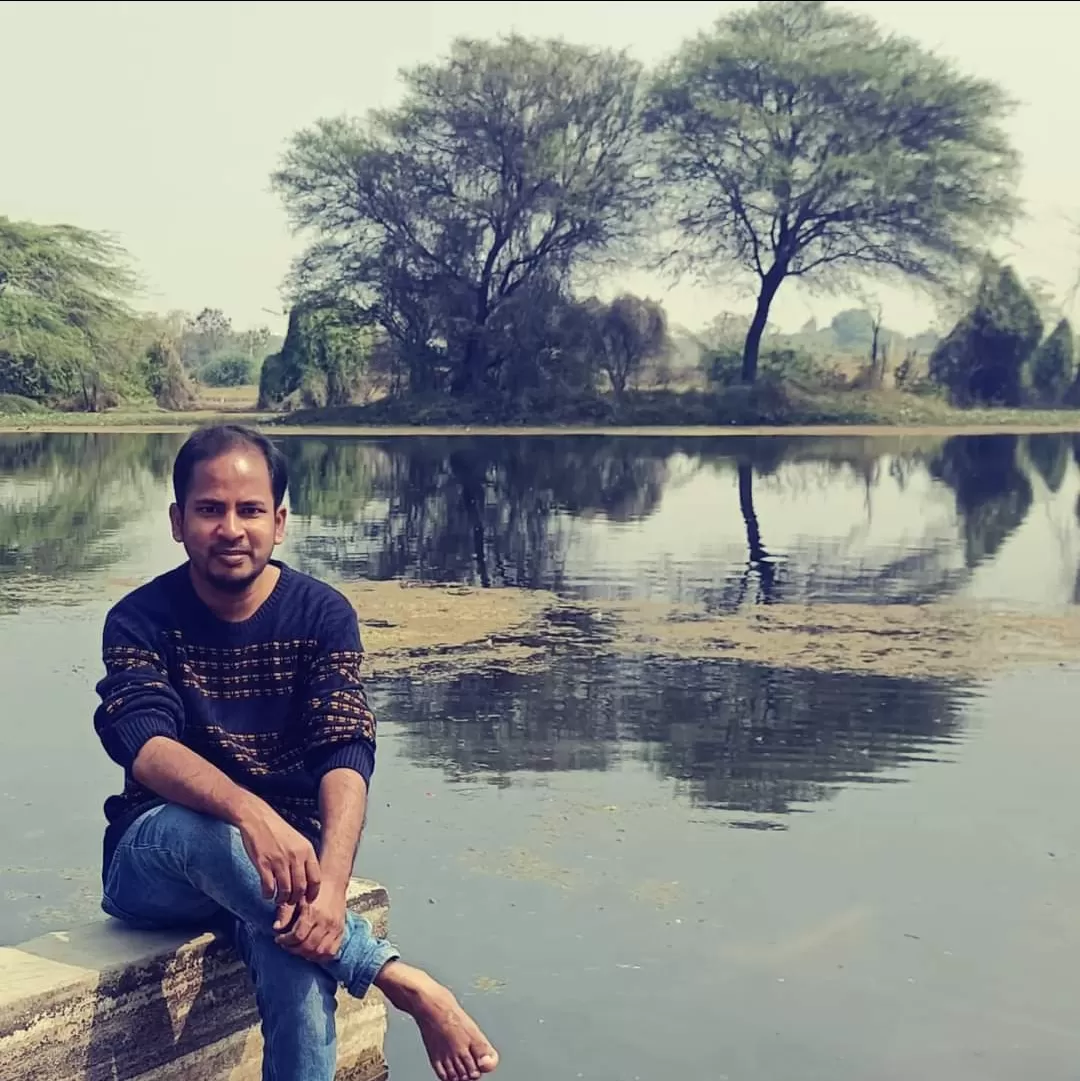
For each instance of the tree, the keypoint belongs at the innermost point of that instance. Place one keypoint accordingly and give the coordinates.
(166, 378)
(65, 327)
(510, 163)
(321, 359)
(982, 359)
(1052, 366)
(625, 334)
(208, 334)
(798, 141)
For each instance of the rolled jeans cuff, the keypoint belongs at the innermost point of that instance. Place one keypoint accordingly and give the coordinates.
(363, 956)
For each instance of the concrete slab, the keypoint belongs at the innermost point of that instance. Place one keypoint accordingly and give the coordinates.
(103, 1002)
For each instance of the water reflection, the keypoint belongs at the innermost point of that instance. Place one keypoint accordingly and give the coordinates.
(720, 522)
(67, 503)
(736, 736)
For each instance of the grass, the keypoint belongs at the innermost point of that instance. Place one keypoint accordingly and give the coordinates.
(766, 405)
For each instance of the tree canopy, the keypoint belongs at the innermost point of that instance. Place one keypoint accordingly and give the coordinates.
(797, 140)
(506, 167)
(66, 329)
(983, 358)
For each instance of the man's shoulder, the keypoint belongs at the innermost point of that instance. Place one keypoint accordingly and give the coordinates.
(152, 604)
(320, 593)
(323, 603)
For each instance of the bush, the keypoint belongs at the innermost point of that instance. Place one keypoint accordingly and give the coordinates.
(228, 370)
(723, 367)
(1052, 367)
(17, 405)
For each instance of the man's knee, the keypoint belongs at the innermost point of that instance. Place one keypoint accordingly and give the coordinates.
(200, 835)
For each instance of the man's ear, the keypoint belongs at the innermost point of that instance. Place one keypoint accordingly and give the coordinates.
(176, 520)
(279, 523)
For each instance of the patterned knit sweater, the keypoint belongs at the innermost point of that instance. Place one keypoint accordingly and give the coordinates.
(275, 701)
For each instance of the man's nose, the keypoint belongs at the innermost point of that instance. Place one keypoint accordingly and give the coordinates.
(230, 525)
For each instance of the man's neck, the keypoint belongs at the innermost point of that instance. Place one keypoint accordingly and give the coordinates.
(236, 607)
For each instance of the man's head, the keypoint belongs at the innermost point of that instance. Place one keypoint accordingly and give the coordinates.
(229, 484)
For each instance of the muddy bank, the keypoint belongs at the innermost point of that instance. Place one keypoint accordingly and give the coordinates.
(935, 641)
(442, 630)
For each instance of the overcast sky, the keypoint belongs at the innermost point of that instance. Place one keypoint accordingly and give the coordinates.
(161, 122)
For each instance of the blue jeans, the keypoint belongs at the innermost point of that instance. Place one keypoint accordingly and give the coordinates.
(176, 868)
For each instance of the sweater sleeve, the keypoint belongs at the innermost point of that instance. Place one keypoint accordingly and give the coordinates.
(338, 723)
(137, 700)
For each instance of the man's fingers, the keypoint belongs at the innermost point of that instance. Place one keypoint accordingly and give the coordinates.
(267, 878)
(285, 914)
(314, 878)
(300, 930)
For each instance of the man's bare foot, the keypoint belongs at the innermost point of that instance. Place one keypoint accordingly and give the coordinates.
(458, 1050)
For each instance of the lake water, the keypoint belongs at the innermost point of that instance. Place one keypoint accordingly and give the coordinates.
(640, 868)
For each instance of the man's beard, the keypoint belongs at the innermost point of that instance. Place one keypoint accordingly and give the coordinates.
(233, 585)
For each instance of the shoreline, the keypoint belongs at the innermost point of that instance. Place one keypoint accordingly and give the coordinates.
(154, 427)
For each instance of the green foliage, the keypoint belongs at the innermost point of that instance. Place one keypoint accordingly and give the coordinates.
(797, 140)
(1052, 366)
(507, 166)
(215, 353)
(66, 332)
(165, 376)
(983, 358)
(228, 370)
(723, 367)
(852, 330)
(624, 335)
(16, 405)
(321, 362)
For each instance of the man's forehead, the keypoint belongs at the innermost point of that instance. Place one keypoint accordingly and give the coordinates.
(236, 473)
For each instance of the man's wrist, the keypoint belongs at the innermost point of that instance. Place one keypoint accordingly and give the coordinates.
(335, 879)
(244, 806)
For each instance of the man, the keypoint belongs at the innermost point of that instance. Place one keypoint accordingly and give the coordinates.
(232, 700)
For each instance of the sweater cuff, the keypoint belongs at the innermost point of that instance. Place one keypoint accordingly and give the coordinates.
(356, 756)
(125, 738)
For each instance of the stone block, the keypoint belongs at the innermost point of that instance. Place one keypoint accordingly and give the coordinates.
(104, 1002)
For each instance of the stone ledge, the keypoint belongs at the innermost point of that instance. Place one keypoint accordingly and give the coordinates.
(104, 1001)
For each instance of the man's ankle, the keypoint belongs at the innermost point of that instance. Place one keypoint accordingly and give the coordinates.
(402, 984)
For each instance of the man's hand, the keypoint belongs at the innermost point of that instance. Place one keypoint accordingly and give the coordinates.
(317, 927)
(283, 856)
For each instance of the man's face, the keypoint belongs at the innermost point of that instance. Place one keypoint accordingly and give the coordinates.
(228, 523)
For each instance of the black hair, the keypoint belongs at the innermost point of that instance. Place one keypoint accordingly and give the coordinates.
(209, 443)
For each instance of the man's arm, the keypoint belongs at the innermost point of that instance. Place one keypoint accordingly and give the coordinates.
(340, 732)
(342, 805)
(340, 741)
(140, 722)
(283, 857)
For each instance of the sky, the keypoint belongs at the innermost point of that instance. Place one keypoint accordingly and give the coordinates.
(162, 122)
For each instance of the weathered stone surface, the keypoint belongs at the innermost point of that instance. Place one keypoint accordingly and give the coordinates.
(106, 1002)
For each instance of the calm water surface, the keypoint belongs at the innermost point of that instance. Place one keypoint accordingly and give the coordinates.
(640, 869)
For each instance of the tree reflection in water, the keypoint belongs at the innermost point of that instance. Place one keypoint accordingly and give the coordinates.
(504, 511)
(66, 502)
(738, 736)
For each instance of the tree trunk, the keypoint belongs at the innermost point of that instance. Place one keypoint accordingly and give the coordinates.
(769, 285)
(472, 495)
(759, 558)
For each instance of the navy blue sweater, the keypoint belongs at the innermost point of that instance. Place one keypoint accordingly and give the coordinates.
(275, 701)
